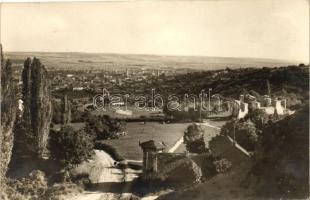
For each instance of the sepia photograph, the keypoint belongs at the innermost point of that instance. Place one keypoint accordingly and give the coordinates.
(154, 100)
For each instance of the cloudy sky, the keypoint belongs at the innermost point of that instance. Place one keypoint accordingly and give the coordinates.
(228, 28)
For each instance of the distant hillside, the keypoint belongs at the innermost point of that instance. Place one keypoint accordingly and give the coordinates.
(290, 82)
(115, 61)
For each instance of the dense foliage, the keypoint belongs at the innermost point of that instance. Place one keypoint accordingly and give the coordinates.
(8, 115)
(103, 127)
(36, 98)
(182, 116)
(112, 151)
(222, 165)
(244, 132)
(194, 139)
(56, 118)
(260, 118)
(70, 147)
(282, 158)
(289, 82)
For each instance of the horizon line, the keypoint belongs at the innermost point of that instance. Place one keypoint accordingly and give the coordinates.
(165, 55)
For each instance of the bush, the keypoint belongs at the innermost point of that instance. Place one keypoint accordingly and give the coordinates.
(109, 149)
(32, 187)
(70, 147)
(258, 117)
(194, 139)
(222, 165)
(62, 191)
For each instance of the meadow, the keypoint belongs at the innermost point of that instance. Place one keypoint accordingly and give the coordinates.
(128, 146)
(135, 113)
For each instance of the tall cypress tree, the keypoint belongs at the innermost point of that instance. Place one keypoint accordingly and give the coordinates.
(37, 104)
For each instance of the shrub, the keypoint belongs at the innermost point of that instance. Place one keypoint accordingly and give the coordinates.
(62, 191)
(70, 147)
(10, 193)
(194, 139)
(222, 165)
(32, 187)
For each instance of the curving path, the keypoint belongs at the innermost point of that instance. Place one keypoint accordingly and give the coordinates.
(102, 170)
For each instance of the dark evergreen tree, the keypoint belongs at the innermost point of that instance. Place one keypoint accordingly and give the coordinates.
(37, 105)
(8, 115)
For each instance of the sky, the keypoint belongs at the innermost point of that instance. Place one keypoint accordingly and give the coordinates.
(277, 29)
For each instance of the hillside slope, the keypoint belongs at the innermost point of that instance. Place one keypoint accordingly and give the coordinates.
(282, 158)
(289, 82)
(280, 168)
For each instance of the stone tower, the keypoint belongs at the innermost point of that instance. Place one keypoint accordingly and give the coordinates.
(150, 159)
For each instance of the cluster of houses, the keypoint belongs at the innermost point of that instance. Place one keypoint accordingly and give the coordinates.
(269, 105)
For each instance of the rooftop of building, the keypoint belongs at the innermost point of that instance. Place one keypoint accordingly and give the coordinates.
(151, 144)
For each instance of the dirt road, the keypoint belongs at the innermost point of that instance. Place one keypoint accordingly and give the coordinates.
(102, 171)
(176, 145)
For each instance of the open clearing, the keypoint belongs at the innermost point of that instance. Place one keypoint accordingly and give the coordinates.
(128, 146)
(170, 134)
(135, 113)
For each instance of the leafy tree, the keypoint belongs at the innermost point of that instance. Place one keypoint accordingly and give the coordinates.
(194, 139)
(259, 118)
(70, 147)
(244, 132)
(103, 127)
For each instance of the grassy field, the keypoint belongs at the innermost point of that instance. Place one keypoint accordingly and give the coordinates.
(128, 146)
(135, 113)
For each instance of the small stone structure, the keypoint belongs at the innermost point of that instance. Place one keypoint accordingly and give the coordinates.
(150, 158)
(163, 166)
